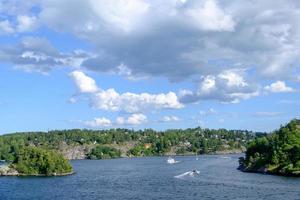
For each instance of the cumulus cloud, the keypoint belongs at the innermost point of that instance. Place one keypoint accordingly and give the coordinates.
(228, 86)
(15, 7)
(223, 42)
(136, 119)
(111, 100)
(84, 83)
(175, 39)
(277, 87)
(131, 102)
(6, 27)
(102, 122)
(38, 55)
(26, 23)
(209, 16)
(178, 39)
(170, 119)
(97, 123)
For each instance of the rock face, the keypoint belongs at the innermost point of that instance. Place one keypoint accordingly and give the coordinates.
(79, 152)
(262, 170)
(231, 151)
(5, 170)
(74, 152)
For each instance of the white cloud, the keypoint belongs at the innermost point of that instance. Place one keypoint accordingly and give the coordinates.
(277, 87)
(98, 122)
(202, 37)
(36, 54)
(210, 17)
(72, 100)
(120, 121)
(26, 23)
(228, 86)
(133, 119)
(126, 72)
(136, 119)
(170, 119)
(6, 27)
(255, 33)
(140, 28)
(132, 103)
(122, 15)
(111, 100)
(84, 83)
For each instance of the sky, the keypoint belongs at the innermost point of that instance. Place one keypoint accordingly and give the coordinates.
(160, 64)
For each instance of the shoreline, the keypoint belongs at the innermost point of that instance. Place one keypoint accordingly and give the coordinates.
(6, 170)
(37, 175)
(265, 171)
(166, 155)
(182, 155)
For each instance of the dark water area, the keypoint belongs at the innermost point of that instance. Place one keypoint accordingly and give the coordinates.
(153, 178)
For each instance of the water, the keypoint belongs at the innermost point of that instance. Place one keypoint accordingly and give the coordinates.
(153, 178)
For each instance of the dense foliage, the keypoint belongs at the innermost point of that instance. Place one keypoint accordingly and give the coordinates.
(103, 152)
(37, 161)
(142, 142)
(277, 153)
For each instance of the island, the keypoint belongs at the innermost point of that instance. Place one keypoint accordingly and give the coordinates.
(34, 161)
(276, 153)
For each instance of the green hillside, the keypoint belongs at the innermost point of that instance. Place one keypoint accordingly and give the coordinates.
(277, 153)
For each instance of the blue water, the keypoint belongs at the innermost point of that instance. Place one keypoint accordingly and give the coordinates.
(153, 178)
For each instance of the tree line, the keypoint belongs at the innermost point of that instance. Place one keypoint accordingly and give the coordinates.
(276, 153)
(146, 142)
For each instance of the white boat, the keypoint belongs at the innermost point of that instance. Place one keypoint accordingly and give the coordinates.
(195, 172)
(171, 160)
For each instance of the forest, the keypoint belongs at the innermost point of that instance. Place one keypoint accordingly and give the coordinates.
(275, 153)
(37, 161)
(146, 142)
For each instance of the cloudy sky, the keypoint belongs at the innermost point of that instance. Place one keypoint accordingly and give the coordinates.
(148, 64)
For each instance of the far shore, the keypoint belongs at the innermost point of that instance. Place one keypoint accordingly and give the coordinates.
(171, 155)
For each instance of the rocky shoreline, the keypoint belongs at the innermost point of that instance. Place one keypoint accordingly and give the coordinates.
(80, 152)
(265, 170)
(6, 170)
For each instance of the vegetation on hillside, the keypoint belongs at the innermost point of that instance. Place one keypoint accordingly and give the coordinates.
(103, 152)
(37, 161)
(142, 142)
(276, 153)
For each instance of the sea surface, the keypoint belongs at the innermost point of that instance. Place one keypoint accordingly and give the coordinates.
(152, 178)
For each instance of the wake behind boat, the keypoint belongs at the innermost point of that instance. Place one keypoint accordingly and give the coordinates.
(192, 173)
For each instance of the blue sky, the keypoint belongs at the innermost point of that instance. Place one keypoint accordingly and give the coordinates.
(148, 64)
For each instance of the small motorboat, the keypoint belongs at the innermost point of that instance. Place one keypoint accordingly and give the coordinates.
(171, 160)
(195, 172)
